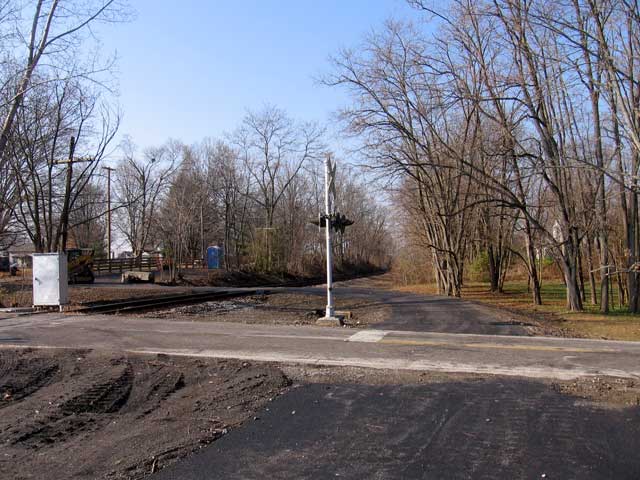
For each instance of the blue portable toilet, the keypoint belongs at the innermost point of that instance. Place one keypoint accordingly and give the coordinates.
(214, 257)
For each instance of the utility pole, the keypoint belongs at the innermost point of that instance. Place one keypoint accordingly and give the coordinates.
(329, 190)
(109, 170)
(204, 250)
(64, 216)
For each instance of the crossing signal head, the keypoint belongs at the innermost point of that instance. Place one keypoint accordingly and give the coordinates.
(337, 222)
(321, 221)
(340, 223)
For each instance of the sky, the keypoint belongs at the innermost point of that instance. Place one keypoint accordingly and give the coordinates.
(189, 70)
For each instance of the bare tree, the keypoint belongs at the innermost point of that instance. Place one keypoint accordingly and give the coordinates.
(482, 117)
(53, 116)
(9, 228)
(228, 186)
(55, 28)
(274, 149)
(87, 220)
(180, 209)
(410, 129)
(138, 188)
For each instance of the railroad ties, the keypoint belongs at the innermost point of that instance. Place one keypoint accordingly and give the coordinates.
(151, 303)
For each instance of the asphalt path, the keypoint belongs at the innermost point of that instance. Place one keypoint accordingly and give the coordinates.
(492, 429)
(425, 313)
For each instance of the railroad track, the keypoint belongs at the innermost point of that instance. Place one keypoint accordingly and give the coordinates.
(152, 303)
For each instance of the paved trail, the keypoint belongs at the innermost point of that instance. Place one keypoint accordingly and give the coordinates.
(421, 313)
(493, 429)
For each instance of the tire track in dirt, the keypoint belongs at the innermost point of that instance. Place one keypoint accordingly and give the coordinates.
(20, 376)
(104, 397)
(101, 415)
(77, 408)
(151, 386)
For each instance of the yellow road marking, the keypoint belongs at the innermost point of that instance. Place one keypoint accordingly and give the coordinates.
(545, 348)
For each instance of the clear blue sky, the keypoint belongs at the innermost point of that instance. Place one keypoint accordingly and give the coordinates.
(190, 69)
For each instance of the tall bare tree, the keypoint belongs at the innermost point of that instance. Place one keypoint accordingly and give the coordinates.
(53, 116)
(139, 184)
(274, 149)
(56, 27)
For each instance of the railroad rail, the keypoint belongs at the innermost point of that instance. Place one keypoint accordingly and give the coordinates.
(151, 303)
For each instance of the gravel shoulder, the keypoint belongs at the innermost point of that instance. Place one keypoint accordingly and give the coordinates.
(279, 309)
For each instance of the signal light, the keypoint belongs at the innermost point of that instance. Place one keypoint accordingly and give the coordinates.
(337, 221)
(321, 221)
(340, 222)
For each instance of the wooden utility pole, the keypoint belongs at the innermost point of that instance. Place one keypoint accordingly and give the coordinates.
(109, 170)
(64, 216)
(204, 250)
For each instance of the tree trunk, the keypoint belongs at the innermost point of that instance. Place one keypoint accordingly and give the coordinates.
(632, 244)
(583, 293)
(569, 267)
(61, 241)
(533, 271)
(592, 277)
(494, 269)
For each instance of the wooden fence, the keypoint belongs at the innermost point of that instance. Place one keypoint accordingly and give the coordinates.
(147, 264)
(144, 264)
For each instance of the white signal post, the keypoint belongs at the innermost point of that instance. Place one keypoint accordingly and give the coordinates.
(329, 189)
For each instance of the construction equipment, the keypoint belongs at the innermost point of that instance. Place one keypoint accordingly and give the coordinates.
(80, 265)
(137, 276)
(6, 265)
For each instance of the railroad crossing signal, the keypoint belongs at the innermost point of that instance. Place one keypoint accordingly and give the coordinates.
(321, 222)
(340, 222)
(337, 222)
(332, 178)
(329, 191)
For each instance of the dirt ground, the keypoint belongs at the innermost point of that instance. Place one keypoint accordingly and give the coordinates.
(222, 278)
(613, 392)
(82, 414)
(278, 309)
(17, 292)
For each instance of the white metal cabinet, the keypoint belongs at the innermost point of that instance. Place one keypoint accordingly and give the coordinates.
(50, 279)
